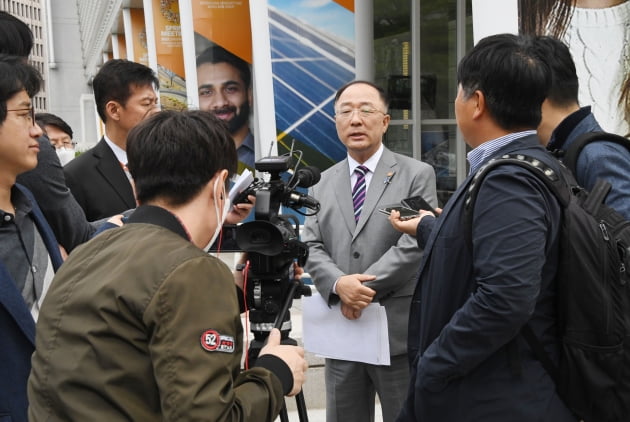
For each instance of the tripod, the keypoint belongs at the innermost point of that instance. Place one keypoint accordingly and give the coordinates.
(297, 287)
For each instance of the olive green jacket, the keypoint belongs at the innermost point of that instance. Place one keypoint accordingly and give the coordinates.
(141, 325)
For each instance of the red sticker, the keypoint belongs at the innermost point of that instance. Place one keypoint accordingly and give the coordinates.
(212, 341)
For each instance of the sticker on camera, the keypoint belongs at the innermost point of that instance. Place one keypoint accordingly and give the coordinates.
(212, 341)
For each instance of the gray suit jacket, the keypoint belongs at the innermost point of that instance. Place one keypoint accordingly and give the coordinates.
(339, 246)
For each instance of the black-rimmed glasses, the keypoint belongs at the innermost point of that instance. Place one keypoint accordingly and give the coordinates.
(31, 114)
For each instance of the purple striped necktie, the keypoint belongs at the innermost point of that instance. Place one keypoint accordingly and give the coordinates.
(359, 190)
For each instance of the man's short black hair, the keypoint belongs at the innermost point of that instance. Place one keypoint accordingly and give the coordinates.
(173, 154)
(564, 80)
(381, 91)
(15, 76)
(513, 79)
(16, 37)
(47, 119)
(216, 54)
(114, 81)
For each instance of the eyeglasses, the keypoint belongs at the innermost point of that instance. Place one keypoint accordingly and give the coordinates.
(364, 112)
(30, 116)
(65, 142)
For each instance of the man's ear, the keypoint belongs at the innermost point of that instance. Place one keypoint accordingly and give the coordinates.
(221, 176)
(112, 110)
(479, 100)
(386, 119)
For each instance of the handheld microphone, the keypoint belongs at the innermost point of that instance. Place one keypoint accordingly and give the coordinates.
(299, 200)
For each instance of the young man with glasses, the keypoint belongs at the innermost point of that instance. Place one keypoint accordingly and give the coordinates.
(355, 256)
(46, 181)
(29, 252)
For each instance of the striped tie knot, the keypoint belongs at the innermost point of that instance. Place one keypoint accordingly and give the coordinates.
(359, 190)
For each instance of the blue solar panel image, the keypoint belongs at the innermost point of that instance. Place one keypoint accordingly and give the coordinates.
(308, 68)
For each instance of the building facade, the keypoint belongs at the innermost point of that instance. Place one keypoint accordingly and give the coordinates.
(411, 48)
(33, 13)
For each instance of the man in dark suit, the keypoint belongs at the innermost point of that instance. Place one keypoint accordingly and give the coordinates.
(356, 257)
(479, 286)
(29, 252)
(125, 93)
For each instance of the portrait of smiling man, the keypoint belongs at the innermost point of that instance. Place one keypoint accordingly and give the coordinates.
(224, 86)
(125, 93)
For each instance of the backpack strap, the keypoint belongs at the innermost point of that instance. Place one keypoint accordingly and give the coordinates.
(570, 156)
(557, 183)
(551, 178)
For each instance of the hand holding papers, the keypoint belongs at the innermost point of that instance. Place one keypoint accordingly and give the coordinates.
(329, 334)
(241, 183)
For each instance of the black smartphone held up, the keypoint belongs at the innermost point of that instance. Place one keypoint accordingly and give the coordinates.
(405, 213)
(418, 203)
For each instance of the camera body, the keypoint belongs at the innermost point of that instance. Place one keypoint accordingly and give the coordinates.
(272, 245)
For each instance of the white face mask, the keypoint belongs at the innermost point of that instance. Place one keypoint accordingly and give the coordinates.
(220, 219)
(65, 155)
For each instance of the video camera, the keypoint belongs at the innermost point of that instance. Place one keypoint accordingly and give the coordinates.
(272, 244)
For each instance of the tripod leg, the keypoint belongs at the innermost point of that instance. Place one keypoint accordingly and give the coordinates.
(301, 406)
(301, 409)
(284, 417)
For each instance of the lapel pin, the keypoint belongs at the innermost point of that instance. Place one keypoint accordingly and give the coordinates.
(389, 177)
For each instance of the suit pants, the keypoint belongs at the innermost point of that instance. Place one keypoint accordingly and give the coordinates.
(351, 389)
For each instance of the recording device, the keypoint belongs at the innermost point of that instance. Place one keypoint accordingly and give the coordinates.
(405, 213)
(272, 244)
(270, 195)
(418, 203)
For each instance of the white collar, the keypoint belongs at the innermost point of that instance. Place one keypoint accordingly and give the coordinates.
(120, 153)
(370, 163)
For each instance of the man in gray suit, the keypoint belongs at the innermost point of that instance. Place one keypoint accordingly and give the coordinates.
(357, 258)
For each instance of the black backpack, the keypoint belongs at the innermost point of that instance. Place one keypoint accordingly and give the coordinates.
(570, 156)
(593, 308)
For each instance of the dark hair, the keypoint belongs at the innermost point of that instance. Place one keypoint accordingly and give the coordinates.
(552, 17)
(172, 155)
(381, 91)
(513, 79)
(16, 37)
(16, 76)
(47, 119)
(115, 80)
(217, 54)
(542, 16)
(564, 80)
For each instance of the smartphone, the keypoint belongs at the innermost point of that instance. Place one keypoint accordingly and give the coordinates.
(405, 213)
(418, 203)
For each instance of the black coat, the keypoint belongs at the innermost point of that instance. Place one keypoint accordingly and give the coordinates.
(99, 184)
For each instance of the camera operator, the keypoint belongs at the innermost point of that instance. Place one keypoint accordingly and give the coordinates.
(141, 323)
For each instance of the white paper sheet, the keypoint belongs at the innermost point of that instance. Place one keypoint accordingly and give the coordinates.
(240, 184)
(328, 333)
